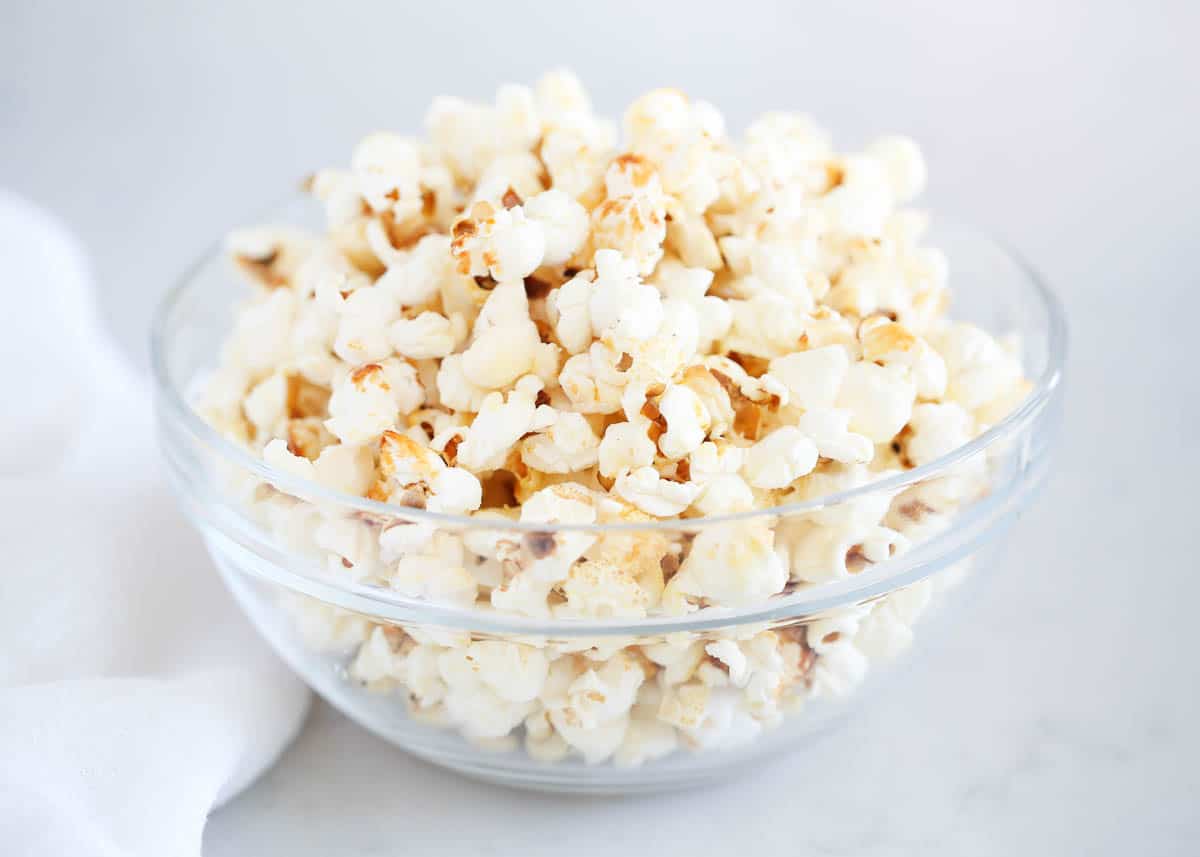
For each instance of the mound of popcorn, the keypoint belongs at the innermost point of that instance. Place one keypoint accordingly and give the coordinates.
(534, 316)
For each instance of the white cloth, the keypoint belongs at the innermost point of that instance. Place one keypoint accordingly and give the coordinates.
(134, 697)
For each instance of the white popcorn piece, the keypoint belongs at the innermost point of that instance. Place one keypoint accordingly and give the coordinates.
(709, 718)
(568, 308)
(576, 148)
(377, 661)
(564, 224)
(594, 381)
(936, 430)
(829, 429)
(454, 388)
(540, 560)
(838, 671)
(371, 398)
(266, 405)
(429, 334)
(259, 341)
(345, 468)
(819, 553)
(326, 628)
(687, 421)
(472, 705)
(780, 458)
(729, 565)
(513, 173)
(362, 333)
(626, 446)
(567, 445)
(498, 242)
(632, 226)
(601, 589)
(622, 309)
(813, 377)
(276, 454)
(879, 400)
(435, 572)
(648, 491)
(506, 345)
(979, 368)
(889, 343)
(387, 169)
(418, 277)
(646, 739)
(352, 546)
(501, 422)
(716, 468)
(765, 325)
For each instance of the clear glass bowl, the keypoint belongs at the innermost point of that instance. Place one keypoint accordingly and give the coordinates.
(546, 702)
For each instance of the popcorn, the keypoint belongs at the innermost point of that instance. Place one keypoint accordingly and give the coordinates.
(813, 377)
(265, 406)
(387, 170)
(690, 285)
(534, 325)
(500, 423)
(625, 446)
(506, 344)
(891, 344)
(729, 565)
(567, 445)
(454, 388)
(935, 430)
(259, 342)
(436, 571)
(593, 381)
(569, 313)
(648, 491)
(370, 399)
(724, 492)
(509, 179)
(602, 589)
(417, 278)
(621, 308)
(576, 148)
(429, 334)
(362, 332)
(634, 227)
(498, 242)
(473, 704)
(879, 400)
(829, 429)
(564, 224)
(780, 458)
(979, 369)
(687, 421)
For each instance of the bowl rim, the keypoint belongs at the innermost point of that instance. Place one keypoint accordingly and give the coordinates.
(172, 403)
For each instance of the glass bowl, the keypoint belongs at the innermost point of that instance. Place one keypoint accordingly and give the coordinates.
(605, 703)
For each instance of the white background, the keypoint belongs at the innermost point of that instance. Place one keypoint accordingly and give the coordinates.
(1062, 715)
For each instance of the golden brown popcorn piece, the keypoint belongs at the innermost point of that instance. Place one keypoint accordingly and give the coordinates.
(307, 437)
(306, 399)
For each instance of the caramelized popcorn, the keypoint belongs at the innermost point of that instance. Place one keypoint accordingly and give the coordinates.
(532, 318)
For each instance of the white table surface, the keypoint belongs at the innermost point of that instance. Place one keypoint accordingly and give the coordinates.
(1062, 715)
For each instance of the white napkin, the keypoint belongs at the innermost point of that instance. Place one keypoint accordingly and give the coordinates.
(134, 697)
